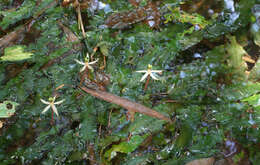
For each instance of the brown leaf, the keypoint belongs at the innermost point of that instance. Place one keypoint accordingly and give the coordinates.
(153, 15)
(149, 14)
(125, 103)
(204, 161)
(11, 37)
(18, 33)
(125, 19)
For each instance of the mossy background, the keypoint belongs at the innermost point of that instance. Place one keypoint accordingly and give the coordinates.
(210, 92)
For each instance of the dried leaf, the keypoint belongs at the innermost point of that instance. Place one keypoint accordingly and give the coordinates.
(149, 14)
(125, 103)
(204, 161)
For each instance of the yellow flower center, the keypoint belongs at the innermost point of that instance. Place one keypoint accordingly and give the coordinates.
(149, 67)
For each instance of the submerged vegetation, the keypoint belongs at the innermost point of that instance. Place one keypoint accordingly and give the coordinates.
(199, 97)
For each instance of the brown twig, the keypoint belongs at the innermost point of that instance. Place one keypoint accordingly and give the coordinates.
(83, 76)
(7, 39)
(52, 121)
(99, 130)
(80, 22)
(147, 82)
(125, 103)
(104, 63)
(171, 101)
(109, 118)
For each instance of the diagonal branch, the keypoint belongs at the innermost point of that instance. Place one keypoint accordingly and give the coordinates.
(8, 38)
(125, 103)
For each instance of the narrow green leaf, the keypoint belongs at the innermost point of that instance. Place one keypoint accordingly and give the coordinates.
(185, 136)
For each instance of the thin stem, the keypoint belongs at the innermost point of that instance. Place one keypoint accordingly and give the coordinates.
(99, 130)
(129, 136)
(83, 76)
(109, 119)
(80, 22)
(88, 73)
(105, 61)
(147, 82)
(52, 122)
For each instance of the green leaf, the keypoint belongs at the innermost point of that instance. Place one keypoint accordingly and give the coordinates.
(185, 136)
(104, 48)
(183, 17)
(255, 72)
(236, 52)
(133, 159)
(16, 53)
(7, 109)
(241, 91)
(253, 100)
(142, 124)
(256, 33)
(125, 147)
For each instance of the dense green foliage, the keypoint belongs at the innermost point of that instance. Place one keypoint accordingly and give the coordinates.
(204, 88)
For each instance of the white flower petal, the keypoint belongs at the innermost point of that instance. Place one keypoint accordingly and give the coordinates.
(90, 67)
(59, 102)
(83, 68)
(79, 62)
(46, 109)
(93, 62)
(144, 76)
(154, 76)
(141, 71)
(157, 71)
(44, 102)
(55, 109)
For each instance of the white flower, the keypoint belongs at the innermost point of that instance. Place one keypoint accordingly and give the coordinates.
(150, 72)
(51, 104)
(86, 64)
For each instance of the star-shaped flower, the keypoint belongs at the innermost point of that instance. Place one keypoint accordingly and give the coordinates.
(86, 64)
(51, 104)
(150, 72)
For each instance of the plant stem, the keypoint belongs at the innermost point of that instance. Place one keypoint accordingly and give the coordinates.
(83, 76)
(52, 122)
(80, 22)
(147, 82)
(88, 73)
